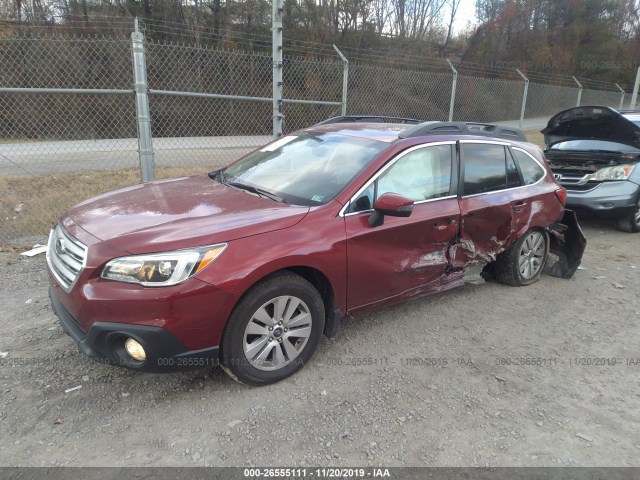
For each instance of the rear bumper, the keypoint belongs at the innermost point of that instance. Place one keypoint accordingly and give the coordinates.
(104, 342)
(611, 199)
(568, 244)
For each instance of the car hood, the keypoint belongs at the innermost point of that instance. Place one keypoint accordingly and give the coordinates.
(595, 123)
(180, 213)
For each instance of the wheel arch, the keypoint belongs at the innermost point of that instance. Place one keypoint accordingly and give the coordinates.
(506, 266)
(321, 283)
(313, 275)
(317, 278)
(301, 279)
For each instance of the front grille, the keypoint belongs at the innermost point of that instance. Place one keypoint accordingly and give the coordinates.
(574, 171)
(576, 183)
(584, 187)
(65, 256)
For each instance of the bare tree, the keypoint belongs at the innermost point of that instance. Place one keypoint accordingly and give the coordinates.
(382, 12)
(454, 4)
(415, 19)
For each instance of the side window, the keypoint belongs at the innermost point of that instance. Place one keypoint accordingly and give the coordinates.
(484, 168)
(423, 174)
(531, 170)
(513, 176)
(364, 200)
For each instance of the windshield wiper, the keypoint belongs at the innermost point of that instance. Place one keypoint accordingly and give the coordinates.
(221, 177)
(256, 190)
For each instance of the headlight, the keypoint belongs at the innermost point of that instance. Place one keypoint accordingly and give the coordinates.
(162, 269)
(619, 172)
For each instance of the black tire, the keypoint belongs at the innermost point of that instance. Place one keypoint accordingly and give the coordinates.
(263, 298)
(508, 267)
(630, 223)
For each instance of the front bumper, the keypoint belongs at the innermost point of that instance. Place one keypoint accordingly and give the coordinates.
(612, 199)
(104, 342)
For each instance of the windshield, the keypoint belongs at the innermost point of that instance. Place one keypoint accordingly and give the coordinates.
(305, 169)
(597, 145)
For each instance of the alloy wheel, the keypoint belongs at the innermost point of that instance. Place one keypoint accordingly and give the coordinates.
(531, 256)
(277, 333)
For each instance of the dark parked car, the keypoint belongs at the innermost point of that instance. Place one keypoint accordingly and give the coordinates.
(249, 265)
(594, 153)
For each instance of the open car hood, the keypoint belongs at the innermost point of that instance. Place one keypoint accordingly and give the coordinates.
(594, 123)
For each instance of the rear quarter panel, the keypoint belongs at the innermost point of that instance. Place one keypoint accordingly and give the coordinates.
(546, 207)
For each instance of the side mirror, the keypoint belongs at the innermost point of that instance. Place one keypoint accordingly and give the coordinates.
(391, 204)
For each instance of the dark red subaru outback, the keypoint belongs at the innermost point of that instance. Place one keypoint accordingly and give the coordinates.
(249, 266)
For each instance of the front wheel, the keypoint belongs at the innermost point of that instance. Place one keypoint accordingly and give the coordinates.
(273, 331)
(631, 223)
(522, 263)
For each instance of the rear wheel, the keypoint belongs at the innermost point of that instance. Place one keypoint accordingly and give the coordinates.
(273, 331)
(631, 223)
(522, 263)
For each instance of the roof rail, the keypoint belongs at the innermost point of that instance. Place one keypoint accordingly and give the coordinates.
(464, 128)
(369, 119)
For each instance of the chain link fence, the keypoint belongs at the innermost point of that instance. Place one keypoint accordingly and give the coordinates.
(202, 115)
(599, 97)
(66, 117)
(544, 100)
(487, 100)
(70, 112)
(398, 93)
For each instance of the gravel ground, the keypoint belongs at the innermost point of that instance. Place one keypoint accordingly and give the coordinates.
(434, 382)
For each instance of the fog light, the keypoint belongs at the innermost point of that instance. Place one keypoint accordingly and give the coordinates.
(135, 350)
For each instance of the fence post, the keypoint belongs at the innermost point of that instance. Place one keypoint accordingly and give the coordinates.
(454, 84)
(621, 96)
(579, 90)
(345, 79)
(524, 97)
(143, 116)
(276, 39)
(634, 95)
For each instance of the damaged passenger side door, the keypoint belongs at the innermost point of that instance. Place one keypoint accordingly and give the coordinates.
(403, 256)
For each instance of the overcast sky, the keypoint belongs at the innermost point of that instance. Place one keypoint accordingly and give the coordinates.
(466, 15)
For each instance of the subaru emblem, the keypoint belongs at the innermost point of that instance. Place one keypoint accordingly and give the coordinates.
(60, 248)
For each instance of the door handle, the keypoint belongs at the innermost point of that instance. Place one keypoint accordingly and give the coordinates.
(518, 206)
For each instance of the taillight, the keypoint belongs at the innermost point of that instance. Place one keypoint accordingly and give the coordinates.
(561, 193)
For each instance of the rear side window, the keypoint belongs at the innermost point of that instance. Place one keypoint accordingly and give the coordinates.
(484, 168)
(513, 177)
(530, 169)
